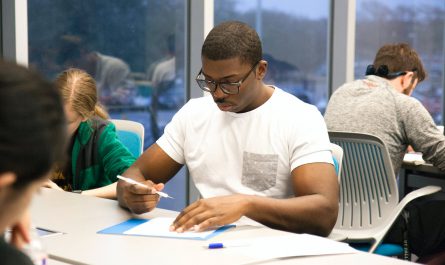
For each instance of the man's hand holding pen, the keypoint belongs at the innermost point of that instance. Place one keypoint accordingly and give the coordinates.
(139, 198)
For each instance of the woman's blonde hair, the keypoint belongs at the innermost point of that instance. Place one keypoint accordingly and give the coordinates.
(78, 89)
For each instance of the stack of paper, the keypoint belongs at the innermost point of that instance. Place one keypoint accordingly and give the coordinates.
(414, 158)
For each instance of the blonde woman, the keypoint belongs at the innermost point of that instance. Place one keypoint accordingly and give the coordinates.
(96, 154)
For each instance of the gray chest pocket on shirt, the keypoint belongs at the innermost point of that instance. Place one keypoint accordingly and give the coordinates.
(259, 171)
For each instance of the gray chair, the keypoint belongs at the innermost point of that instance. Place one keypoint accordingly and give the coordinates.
(369, 199)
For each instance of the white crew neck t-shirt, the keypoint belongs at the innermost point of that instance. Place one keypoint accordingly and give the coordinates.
(248, 153)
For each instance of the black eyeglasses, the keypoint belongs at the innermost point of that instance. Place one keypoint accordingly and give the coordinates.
(231, 88)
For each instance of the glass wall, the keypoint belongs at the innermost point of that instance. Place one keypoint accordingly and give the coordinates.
(294, 36)
(417, 22)
(133, 49)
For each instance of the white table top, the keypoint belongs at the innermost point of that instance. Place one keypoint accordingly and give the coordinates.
(80, 217)
(55, 262)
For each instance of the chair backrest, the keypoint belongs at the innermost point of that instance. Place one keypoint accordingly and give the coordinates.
(337, 153)
(131, 134)
(368, 187)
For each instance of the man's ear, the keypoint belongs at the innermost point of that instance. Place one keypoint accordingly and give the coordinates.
(7, 179)
(407, 80)
(262, 69)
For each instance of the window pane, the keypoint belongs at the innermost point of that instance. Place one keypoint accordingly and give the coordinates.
(417, 22)
(134, 50)
(294, 36)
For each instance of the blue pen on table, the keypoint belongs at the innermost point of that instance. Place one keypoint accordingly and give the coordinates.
(132, 181)
(217, 245)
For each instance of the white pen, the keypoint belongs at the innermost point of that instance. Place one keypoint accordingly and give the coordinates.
(132, 181)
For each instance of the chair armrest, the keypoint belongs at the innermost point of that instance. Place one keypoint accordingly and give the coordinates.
(416, 194)
(391, 219)
(408, 198)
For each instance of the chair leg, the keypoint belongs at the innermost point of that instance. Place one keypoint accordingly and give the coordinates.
(406, 251)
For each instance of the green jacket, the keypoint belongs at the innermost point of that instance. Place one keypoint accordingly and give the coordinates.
(97, 155)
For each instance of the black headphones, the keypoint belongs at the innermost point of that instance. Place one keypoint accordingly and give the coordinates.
(383, 71)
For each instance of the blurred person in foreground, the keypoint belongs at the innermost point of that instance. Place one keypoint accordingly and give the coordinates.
(32, 138)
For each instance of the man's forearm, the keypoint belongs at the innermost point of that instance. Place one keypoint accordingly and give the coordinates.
(313, 214)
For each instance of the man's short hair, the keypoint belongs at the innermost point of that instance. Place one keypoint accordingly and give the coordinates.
(233, 39)
(400, 57)
(32, 122)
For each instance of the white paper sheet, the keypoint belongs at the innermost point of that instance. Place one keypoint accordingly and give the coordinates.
(414, 158)
(160, 226)
(292, 245)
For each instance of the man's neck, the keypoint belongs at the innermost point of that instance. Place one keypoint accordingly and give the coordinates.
(396, 84)
(265, 94)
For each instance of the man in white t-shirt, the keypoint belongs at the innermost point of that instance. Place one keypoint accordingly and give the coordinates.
(253, 150)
